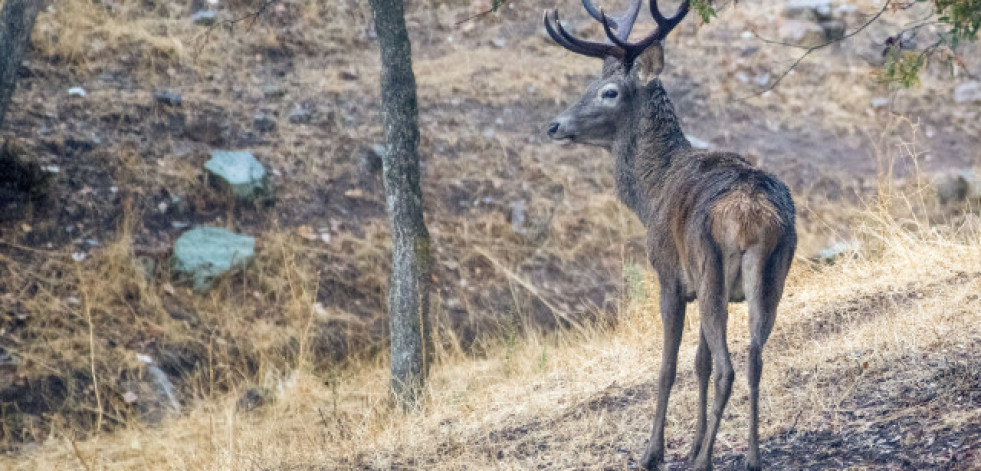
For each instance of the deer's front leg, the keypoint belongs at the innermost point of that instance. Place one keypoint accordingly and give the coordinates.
(673, 319)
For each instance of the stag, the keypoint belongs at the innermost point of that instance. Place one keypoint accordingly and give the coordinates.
(718, 229)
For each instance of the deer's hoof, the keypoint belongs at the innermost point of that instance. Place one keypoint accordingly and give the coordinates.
(753, 466)
(702, 465)
(652, 460)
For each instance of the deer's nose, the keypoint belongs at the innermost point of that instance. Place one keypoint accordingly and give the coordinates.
(553, 128)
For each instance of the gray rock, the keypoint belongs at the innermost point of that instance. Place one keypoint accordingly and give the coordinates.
(249, 401)
(371, 160)
(168, 98)
(968, 92)
(697, 143)
(833, 29)
(273, 91)
(958, 186)
(244, 175)
(204, 253)
(299, 116)
(810, 10)
(801, 33)
(204, 18)
(517, 216)
(499, 42)
(152, 395)
(833, 253)
(263, 122)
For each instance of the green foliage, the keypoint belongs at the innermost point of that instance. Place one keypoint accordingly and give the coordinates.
(704, 9)
(963, 16)
(903, 67)
(633, 275)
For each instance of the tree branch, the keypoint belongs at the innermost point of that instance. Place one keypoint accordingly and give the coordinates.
(810, 49)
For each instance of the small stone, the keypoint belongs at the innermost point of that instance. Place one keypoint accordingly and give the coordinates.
(801, 33)
(130, 397)
(299, 116)
(245, 176)
(263, 122)
(834, 252)
(77, 91)
(880, 102)
(499, 42)
(168, 98)
(249, 401)
(273, 91)
(207, 252)
(968, 92)
(349, 74)
(204, 18)
(698, 143)
(517, 216)
(810, 10)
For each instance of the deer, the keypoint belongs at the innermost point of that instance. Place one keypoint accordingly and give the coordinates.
(718, 228)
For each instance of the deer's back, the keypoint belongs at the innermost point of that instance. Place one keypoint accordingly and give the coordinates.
(716, 201)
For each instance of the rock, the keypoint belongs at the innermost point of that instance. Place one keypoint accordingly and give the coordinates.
(207, 252)
(299, 116)
(273, 91)
(833, 29)
(880, 102)
(809, 10)
(958, 186)
(77, 91)
(147, 266)
(968, 92)
(517, 216)
(833, 253)
(371, 160)
(697, 143)
(168, 98)
(263, 122)
(204, 18)
(243, 174)
(249, 401)
(499, 42)
(801, 33)
(152, 394)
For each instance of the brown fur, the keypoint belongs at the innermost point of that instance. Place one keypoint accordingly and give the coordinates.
(718, 230)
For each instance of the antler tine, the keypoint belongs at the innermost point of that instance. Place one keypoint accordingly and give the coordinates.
(664, 26)
(574, 44)
(668, 24)
(622, 23)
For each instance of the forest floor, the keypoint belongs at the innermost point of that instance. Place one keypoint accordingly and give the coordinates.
(547, 335)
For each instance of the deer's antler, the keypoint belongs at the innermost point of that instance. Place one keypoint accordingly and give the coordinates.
(617, 29)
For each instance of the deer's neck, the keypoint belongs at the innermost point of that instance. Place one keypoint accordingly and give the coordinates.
(645, 149)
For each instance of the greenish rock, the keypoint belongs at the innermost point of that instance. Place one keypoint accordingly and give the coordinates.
(204, 253)
(244, 175)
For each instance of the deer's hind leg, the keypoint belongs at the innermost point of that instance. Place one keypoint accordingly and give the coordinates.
(673, 320)
(764, 276)
(712, 306)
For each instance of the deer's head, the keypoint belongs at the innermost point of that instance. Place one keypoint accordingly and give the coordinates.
(628, 70)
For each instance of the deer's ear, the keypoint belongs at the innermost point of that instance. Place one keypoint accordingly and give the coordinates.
(650, 63)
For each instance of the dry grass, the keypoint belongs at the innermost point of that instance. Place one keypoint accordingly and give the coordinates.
(838, 326)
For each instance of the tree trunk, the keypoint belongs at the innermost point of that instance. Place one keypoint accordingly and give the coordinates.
(408, 298)
(16, 23)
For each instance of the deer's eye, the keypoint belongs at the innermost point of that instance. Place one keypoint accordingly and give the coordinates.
(610, 93)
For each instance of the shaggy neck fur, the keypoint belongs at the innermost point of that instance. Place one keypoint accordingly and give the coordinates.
(646, 145)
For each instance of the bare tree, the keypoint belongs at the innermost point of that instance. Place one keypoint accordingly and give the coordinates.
(408, 299)
(16, 23)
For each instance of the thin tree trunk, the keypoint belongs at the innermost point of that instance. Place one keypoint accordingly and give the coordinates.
(408, 299)
(16, 23)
